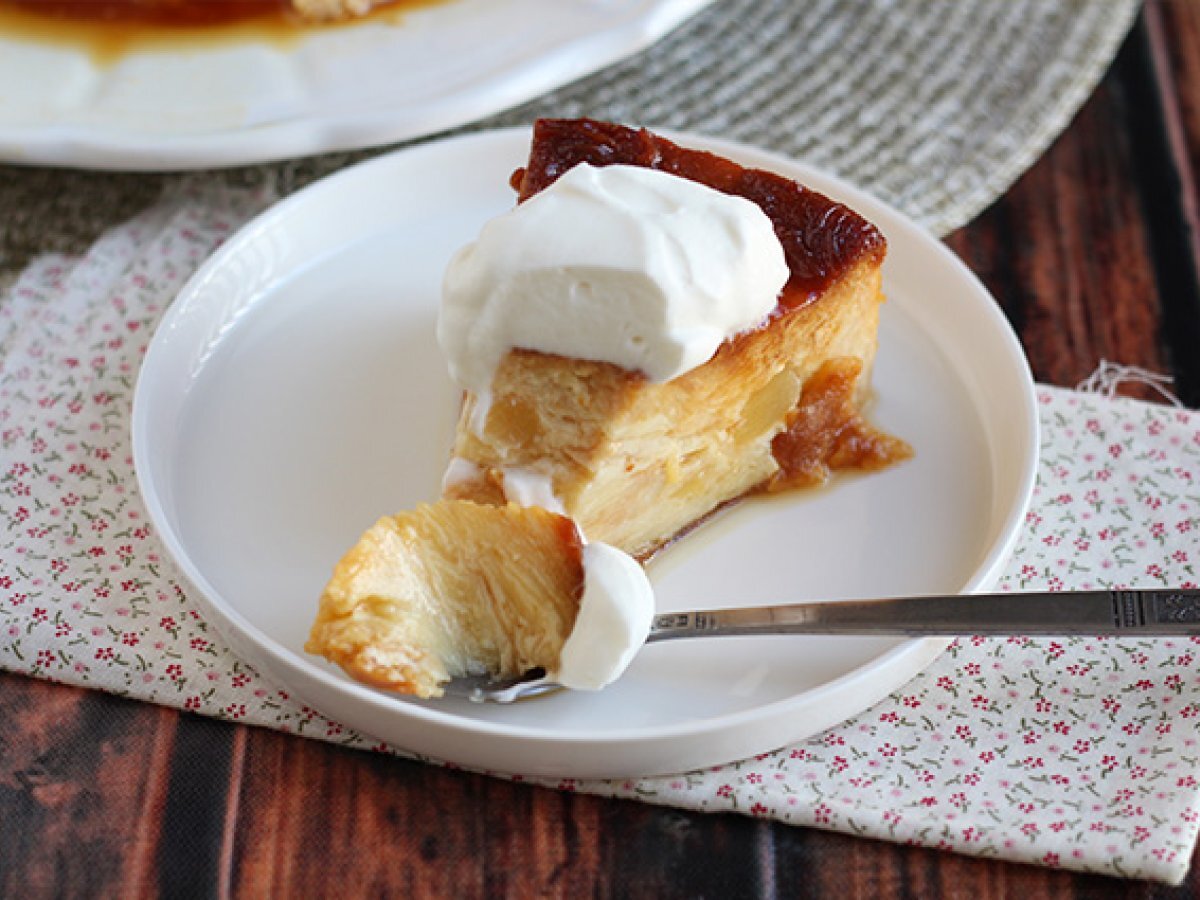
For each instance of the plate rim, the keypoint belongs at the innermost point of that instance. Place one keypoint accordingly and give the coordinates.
(917, 651)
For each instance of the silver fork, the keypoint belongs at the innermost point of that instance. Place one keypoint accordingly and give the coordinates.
(1144, 613)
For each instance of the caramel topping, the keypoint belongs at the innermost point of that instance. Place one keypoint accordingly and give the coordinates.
(826, 431)
(156, 12)
(822, 239)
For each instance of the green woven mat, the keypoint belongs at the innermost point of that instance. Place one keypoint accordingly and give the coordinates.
(936, 107)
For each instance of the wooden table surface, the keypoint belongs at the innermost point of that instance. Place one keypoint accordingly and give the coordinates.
(1094, 254)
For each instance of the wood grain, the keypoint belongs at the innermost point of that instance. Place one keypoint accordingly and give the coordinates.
(1093, 252)
(1172, 36)
(84, 780)
(114, 801)
(434, 832)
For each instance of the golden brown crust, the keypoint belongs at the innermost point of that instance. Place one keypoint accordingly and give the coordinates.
(451, 588)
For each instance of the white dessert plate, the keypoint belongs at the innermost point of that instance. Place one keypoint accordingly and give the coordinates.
(252, 98)
(295, 392)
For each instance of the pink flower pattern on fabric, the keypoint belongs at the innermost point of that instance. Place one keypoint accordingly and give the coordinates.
(1074, 753)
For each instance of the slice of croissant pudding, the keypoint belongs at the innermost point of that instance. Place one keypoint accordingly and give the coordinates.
(654, 332)
(457, 588)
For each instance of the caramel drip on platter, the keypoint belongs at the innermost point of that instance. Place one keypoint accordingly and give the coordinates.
(107, 30)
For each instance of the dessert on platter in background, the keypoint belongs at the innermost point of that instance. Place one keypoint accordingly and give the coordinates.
(650, 334)
(200, 13)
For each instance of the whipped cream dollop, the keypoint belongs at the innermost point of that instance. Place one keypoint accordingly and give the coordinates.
(613, 621)
(621, 264)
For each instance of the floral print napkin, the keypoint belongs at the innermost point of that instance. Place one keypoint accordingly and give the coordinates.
(1079, 753)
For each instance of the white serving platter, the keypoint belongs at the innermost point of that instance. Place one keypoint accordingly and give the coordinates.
(190, 104)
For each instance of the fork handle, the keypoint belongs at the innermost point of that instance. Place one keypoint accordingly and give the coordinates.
(1146, 612)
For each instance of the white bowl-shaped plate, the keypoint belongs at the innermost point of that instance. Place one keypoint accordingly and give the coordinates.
(295, 392)
(245, 100)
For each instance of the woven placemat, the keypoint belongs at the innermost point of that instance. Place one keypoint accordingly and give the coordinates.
(934, 107)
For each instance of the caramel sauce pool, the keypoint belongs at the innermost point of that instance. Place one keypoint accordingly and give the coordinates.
(108, 29)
